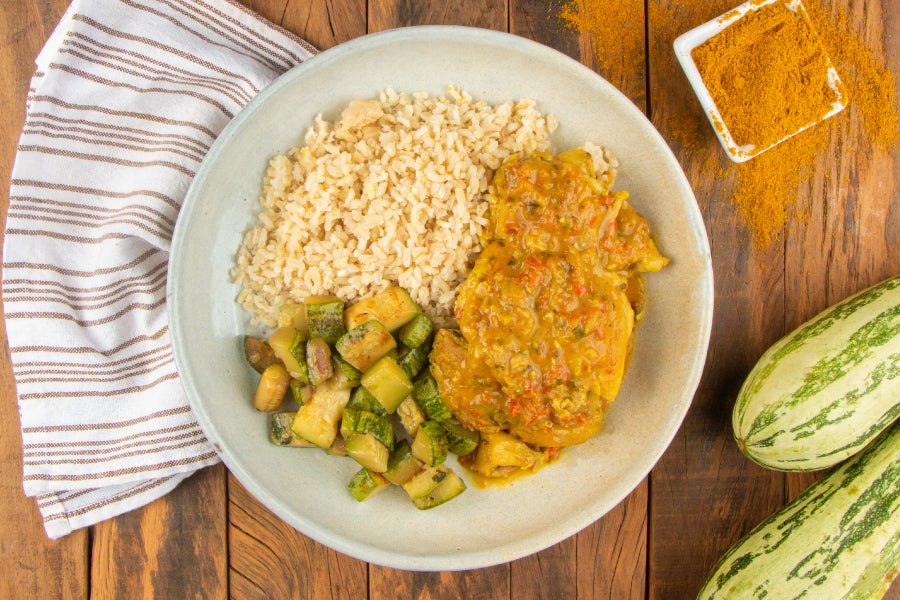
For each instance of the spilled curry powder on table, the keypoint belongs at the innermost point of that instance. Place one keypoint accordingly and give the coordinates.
(766, 187)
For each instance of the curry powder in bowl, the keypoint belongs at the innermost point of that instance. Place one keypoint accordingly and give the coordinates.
(766, 73)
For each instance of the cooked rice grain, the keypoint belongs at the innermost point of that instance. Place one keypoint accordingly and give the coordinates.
(395, 192)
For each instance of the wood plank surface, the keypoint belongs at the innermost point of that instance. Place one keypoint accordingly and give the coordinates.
(172, 548)
(761, 294)
(270, 559)
(211, 539)
(31, 566)
(705, 495)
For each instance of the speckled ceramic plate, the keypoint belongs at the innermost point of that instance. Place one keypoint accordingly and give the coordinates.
(308, 488)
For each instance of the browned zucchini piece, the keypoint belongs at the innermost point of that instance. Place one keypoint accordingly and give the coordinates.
(273, 385)
(325, 317)
(392, 307)
(402, 465)
(319, 419)
(362, 346)
(318, 360)
(280, 433)
(285, 343)
(366, 484)
(447, 489)
(411, 416)
(258, 353)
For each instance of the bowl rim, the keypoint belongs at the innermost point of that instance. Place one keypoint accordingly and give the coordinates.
(447, 561)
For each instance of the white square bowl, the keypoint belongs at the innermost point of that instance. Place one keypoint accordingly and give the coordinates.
(685, 44)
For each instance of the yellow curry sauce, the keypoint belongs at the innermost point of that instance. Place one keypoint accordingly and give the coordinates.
(547, 314)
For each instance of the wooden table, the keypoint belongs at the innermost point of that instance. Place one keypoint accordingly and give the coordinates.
(210, 539)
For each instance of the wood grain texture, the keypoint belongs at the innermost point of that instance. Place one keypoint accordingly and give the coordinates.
(491, 583)
(705, 494)
(546, 575)
(31, 566)
(172, 548)
(270, 559)
(322, 24)
(388, 14)
(612, 553)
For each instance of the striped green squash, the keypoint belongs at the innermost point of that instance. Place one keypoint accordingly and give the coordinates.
(839, 540)
(824, 391)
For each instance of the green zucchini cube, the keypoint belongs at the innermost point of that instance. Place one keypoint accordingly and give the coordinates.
(301, 392)
(388, 383)
(362, 399)
(366, 484)
(325, 317)
(347, 373)
(430, 444)
(367, 451)
(289, 345)
(402, 465)
(362, 346)
(280, 433)
(319, 419)
(392, 307)
(427, 396)
(417, 331)
(414, 359)
(460, 440)
(425, 481)
(356, 420)
(447, 489)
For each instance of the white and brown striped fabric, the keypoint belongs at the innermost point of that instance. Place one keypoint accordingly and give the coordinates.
(127, 97)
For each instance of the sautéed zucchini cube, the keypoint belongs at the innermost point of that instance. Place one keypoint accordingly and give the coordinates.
(366, 484)
(388, 383)
(325, 317)
(367, 451)
(363, 345)
(417, 331)
(392, 307)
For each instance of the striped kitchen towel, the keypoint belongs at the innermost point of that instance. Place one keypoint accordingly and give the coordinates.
(126, 99)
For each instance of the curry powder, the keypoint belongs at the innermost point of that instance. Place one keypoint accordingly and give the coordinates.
(767, 74)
